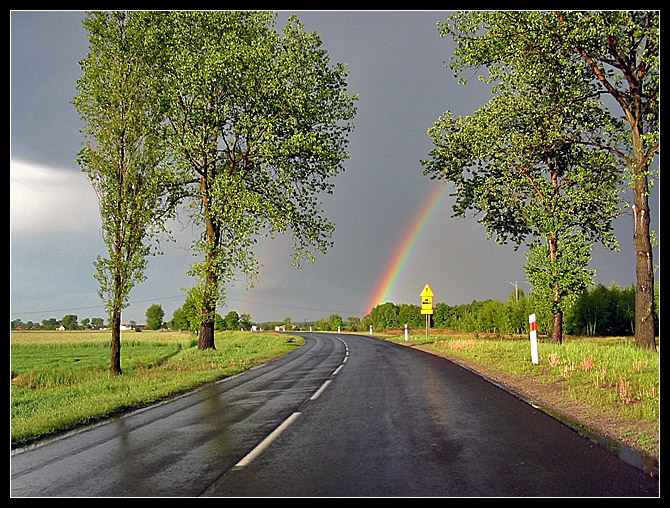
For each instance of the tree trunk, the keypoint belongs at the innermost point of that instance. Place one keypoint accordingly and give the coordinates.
(644, 269)
(210, 297)
(557, 330)
(115, 367)
(210, 291)
(644, 288)
(206, 339)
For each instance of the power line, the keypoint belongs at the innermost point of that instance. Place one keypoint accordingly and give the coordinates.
(102, 305)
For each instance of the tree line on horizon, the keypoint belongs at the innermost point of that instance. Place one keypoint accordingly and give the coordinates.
(597, 311)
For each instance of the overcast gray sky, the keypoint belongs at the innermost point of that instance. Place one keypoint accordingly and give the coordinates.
(396, 63)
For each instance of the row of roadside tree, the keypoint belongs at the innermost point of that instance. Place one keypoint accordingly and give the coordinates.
(598, 311)
(238, 127)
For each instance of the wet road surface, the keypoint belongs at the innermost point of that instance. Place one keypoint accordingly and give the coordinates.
(344, 415)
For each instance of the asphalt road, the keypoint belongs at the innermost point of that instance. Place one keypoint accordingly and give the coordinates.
(344, 415)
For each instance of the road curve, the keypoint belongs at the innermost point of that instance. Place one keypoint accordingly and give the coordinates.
(344, 415)
(400, 422)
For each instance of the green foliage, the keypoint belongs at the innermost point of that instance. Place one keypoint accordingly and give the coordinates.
(232, 321)
(605, 311)
(598, 310)
(557, 283)
(179, 320)
(389, 315)
(530, 163)
(490, 315)
(124, 154)
(220, 112)
(70, 322)
(332, 323)
(155, 315)
(551, 73)
(525, 160)
(354, 324)
(258, 123)
(245, 321)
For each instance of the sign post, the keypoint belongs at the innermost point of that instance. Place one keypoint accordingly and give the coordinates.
(532, 319)
(406, 332)
(427, 304)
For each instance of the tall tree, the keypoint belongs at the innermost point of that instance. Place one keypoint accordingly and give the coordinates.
(614, 53)
(621, 49)
(523, 161)
(123, 157)
(259, 121)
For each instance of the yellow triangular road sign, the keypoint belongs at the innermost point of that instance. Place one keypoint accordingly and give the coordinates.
(427, 292)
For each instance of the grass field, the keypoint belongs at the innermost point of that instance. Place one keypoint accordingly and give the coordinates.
(60, 380)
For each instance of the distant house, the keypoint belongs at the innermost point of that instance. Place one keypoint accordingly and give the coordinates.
(61, 328)
(125, 327)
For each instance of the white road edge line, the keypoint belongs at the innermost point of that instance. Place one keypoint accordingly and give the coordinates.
(246, 460)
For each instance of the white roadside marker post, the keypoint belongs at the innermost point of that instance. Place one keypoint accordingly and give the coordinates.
(533, 339)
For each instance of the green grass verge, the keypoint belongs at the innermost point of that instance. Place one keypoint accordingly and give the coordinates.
(60, 380)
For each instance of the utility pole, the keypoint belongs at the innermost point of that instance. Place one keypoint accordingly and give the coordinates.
(516, 289)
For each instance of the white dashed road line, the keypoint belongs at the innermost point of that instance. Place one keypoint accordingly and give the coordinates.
(246, 460)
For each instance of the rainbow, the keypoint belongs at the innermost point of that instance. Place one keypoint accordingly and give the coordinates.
(409, 241)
